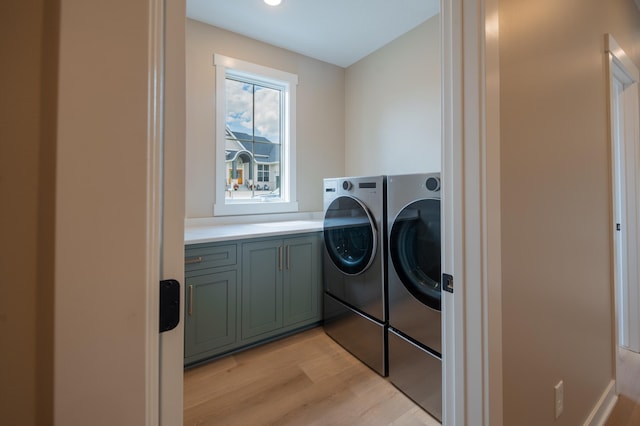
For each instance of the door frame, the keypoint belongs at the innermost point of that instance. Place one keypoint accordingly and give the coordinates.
(625, 194)
(472, 314)
(155, 82)
(472, 330)
(165, 205)
(624, 135)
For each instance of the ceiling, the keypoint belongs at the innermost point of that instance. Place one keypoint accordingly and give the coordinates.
(340, 32)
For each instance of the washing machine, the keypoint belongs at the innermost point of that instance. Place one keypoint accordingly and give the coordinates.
(414, 288)
(354, 267)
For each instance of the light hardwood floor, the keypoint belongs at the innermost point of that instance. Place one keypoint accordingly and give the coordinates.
(627, 409)
(305, 379)
(625, 413)
(308, 379)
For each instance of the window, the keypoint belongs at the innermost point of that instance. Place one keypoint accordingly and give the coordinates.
(255, 139)
(263, 173)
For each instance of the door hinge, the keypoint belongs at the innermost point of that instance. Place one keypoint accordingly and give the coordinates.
(169, 305)
(447, 282)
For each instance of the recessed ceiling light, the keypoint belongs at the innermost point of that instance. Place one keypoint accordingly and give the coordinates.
(272, 2)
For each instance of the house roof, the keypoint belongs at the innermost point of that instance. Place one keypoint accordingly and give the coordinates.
(261, 149)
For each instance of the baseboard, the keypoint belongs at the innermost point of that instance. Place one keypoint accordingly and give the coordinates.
(603, 408)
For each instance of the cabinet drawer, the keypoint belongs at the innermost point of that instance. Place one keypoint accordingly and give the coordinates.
(204, 256)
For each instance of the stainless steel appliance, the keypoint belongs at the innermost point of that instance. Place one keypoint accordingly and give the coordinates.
(354, 266)
(415, 341)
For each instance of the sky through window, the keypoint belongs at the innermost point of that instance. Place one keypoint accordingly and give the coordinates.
(252, 108)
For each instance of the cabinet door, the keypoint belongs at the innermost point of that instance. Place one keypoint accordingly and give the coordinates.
(301, 285)
(210, 314)
(262, 264)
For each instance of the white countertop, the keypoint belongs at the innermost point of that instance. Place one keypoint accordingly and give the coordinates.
(194, 234)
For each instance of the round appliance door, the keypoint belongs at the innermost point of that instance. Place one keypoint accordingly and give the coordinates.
(414, 245)
(350, 235)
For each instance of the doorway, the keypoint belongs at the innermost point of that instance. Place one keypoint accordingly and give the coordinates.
(472, 167)
(624, 133)
(197, 29)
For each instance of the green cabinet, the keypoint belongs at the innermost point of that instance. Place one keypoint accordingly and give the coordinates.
(211, 312)
(211, 285)
(243, 293)
(261, 287)
(302, 284)
(280, 284)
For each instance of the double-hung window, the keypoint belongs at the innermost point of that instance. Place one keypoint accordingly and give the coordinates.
(255, 138)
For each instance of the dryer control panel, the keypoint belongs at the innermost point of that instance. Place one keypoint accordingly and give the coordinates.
(368, 189)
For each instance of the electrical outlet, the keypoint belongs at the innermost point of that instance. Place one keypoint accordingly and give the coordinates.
(559, 394)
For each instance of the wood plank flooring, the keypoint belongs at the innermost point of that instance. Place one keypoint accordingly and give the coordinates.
(627, 409)
(305, 379)
(625, 413)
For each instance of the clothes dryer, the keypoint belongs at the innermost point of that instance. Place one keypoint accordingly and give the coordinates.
(354, 266)
(414, 284)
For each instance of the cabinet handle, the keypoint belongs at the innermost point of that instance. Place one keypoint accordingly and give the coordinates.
(280, 258)
(288, 257)
(190, 300)
(193, 260)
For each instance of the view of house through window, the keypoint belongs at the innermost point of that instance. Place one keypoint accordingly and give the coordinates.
(252, 146)
(256, 110)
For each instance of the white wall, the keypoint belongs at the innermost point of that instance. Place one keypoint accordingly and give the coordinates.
(556, 203)
(393, 106)
(320, 114)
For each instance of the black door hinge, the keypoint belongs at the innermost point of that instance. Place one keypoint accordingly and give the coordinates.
(169, 305)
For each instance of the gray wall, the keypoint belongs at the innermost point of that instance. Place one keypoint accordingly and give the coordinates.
(556, 203)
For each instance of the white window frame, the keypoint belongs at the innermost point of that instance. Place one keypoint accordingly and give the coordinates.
(288, 201)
